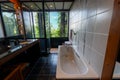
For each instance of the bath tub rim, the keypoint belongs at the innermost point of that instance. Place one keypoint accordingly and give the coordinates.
(60, 74)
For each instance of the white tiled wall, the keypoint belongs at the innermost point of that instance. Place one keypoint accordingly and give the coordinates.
(90, 21)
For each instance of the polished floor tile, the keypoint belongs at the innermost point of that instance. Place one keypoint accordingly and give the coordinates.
(45, 68)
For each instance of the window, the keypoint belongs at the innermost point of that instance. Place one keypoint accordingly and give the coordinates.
(47, 24)
(11, 26)
(56, 24)
(33, 24)
(59, 24)
(36, 25)
(28, 25)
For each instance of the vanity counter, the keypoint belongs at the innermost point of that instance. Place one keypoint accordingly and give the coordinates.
(13, 52)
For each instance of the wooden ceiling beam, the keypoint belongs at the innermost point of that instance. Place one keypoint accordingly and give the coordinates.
(16, 4)
(40, 1)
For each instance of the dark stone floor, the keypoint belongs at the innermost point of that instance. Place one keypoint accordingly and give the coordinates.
(45, 68)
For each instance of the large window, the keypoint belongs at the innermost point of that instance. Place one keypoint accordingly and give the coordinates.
(59, 24)
(36, 25)
(28, 25)
(11, 26)
(47, 24)
(56, 24)
(33, 24)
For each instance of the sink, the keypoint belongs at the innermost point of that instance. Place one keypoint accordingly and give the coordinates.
(15, 48)
(28, 41)
(10, 51)
(24, 42)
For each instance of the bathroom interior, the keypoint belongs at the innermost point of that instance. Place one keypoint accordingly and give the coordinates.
(59, 40)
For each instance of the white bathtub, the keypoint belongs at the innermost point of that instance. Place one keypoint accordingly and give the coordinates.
(71, 66)
(116, 74)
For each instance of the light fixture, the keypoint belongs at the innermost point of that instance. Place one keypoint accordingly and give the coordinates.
(18, 7)
(51, 5)
(23, 6)
(31, 6)
(6, 6)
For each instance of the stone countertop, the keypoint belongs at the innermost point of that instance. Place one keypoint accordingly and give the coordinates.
(12, 52)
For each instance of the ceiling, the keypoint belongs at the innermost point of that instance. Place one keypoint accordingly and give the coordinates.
(36, 5)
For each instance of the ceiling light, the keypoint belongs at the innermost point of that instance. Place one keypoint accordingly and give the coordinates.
(51, 5)
(6, 6)
(31, 6)
(23, 6)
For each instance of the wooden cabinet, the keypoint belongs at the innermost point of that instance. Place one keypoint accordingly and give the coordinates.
(14, 63)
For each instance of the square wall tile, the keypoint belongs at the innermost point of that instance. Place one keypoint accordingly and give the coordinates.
(89, 39)
(99, 43)
(83, 9)
(81, 49)
(84, 24)
(87, 53)
(91, 7)
(81, 36)
(79, 25)
(103, 21)
(104, 5)
(91, 24)
(96, 61)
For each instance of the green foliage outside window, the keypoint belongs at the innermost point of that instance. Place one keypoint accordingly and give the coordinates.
(36, 25)
(10, 24)
(59, 29)
(56, 24)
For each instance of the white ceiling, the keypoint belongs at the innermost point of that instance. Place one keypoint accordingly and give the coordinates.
(59, 5)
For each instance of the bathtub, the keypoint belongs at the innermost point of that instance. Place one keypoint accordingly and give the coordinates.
(116, 74)
(72, 66)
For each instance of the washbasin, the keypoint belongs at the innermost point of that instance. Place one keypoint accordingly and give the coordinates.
(24, 42)
(15, 48)
(28, 41)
